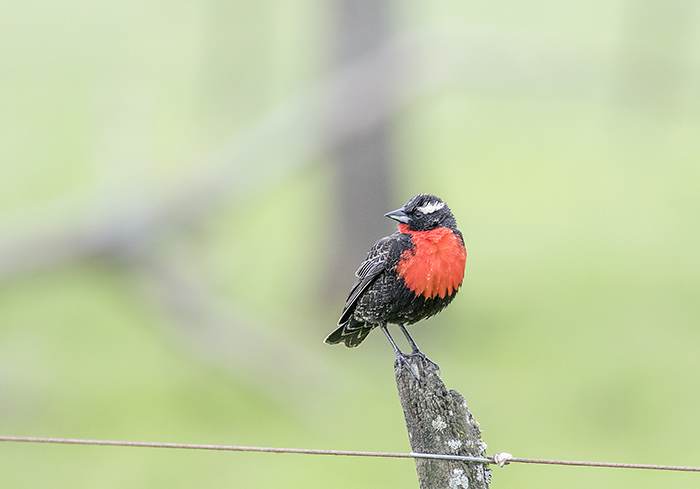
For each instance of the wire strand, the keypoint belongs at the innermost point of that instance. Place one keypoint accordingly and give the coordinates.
(309, 451)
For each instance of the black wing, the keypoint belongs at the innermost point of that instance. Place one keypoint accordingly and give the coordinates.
(377, 261)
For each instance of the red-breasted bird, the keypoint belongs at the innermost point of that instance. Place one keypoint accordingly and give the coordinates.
(408, 276)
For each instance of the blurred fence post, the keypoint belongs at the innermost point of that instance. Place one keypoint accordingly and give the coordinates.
(438, 421)
(362, 159)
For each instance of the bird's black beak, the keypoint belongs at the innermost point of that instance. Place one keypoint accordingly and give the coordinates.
(397, 215)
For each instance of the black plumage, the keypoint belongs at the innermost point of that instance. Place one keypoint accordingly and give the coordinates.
(380, 295)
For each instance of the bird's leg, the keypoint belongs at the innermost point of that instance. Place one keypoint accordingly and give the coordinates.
(410, 340)
(400, 356)
(416, 351)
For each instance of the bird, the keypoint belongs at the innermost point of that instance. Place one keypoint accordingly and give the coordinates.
(408, 276)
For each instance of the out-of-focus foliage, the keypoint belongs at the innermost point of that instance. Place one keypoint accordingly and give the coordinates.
(148, 239)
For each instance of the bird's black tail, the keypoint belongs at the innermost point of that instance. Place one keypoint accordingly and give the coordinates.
(352, 333)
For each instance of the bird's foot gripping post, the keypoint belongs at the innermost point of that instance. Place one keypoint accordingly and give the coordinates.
(416, 351)
(438, 421)
(421, 355)
(401, 357)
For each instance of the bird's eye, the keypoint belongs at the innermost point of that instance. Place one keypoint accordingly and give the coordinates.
(418, 214)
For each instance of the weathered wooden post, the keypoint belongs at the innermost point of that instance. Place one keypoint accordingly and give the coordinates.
(438, 421)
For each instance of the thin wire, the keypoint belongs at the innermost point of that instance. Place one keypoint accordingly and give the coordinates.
(604, 464)
(308, 451)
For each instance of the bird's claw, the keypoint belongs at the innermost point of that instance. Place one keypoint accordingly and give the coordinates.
(418, 353)
(401, 360)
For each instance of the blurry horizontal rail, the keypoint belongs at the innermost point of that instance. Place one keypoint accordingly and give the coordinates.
(308, 451)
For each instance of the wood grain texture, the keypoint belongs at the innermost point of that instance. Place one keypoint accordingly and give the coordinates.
(438, 421)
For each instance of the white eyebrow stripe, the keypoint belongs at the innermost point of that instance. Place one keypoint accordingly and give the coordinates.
(431, 207)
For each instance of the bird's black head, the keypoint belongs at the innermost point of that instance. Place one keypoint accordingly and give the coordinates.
(423, 213)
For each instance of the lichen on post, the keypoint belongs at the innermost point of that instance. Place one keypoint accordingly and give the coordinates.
(438, 421)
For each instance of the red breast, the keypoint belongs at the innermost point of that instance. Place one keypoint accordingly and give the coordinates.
(435, 265)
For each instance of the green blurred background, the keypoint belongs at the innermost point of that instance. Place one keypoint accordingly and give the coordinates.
(183, 202)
